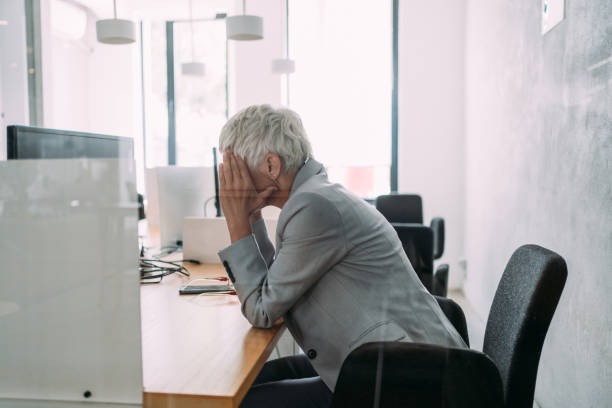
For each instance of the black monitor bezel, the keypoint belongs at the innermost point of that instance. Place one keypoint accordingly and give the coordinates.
(12, 151)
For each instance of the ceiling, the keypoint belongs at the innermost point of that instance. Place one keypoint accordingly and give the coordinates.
(161, 10)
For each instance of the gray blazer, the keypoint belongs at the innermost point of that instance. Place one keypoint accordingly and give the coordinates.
(339, 276)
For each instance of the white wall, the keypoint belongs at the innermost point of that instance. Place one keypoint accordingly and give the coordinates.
(13, 69)
(431, 116)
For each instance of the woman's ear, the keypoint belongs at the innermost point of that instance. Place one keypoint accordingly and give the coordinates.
(272, 163)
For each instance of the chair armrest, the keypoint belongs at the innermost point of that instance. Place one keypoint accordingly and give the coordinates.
(437, 225)
(417, 375)
(440, 281)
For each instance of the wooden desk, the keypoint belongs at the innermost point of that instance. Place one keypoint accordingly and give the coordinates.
(198, 351)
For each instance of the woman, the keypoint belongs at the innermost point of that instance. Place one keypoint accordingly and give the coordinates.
(338, 275)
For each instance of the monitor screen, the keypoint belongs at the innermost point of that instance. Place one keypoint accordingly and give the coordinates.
(26, 142)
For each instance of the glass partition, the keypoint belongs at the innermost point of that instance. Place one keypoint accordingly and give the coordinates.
(69, 284)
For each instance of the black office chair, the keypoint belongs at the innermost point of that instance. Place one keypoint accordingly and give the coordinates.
(418, 243)
(439, 286)
(408, 209)
(404, 208)
(406, 374)
(421, 243)
(438, 227)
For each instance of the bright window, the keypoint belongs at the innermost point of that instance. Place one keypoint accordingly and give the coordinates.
(155, 92)
(200, 100)
(342, 87)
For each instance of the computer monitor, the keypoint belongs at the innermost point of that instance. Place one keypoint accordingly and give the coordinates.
(28, 142)
(182, 192)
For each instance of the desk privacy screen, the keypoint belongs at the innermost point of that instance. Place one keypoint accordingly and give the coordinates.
(69, 285)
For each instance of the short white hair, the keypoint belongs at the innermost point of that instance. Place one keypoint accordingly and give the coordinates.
(260, 129)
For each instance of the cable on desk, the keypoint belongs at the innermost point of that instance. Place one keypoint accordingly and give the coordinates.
(153, 270)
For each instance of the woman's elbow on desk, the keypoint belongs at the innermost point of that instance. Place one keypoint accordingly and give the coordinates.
(257, 317)
(261, 323)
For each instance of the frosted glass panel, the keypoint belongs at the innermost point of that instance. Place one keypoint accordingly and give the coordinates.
(69, 285)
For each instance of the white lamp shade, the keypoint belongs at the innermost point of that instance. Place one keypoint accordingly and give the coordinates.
(283, 66)
(193, 68)
(244, 27)
(115, 31)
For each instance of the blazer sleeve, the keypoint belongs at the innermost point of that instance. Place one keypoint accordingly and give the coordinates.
(312, 242)
(263, 240)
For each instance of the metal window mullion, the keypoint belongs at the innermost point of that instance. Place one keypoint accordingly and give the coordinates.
(34, 62)
(226, 78)
(394, 100)
(143, 99)
(170, 93)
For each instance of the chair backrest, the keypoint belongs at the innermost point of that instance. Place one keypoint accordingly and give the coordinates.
(455, 315)
(401, 207)
(520, 315)
(418, 241)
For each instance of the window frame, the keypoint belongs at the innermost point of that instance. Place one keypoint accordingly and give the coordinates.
(393, 182)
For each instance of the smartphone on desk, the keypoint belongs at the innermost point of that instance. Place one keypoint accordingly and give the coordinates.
(197, 289)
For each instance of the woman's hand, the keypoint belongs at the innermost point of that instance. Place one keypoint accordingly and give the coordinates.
(238, 196)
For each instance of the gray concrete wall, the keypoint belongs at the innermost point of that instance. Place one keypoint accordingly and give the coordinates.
(539, 170)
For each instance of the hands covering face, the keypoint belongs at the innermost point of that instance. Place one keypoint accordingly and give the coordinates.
(239, 199)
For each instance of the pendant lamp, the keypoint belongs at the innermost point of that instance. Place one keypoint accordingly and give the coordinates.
(244, 27)
(193, 67)
(284, 65)
(114, 30)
